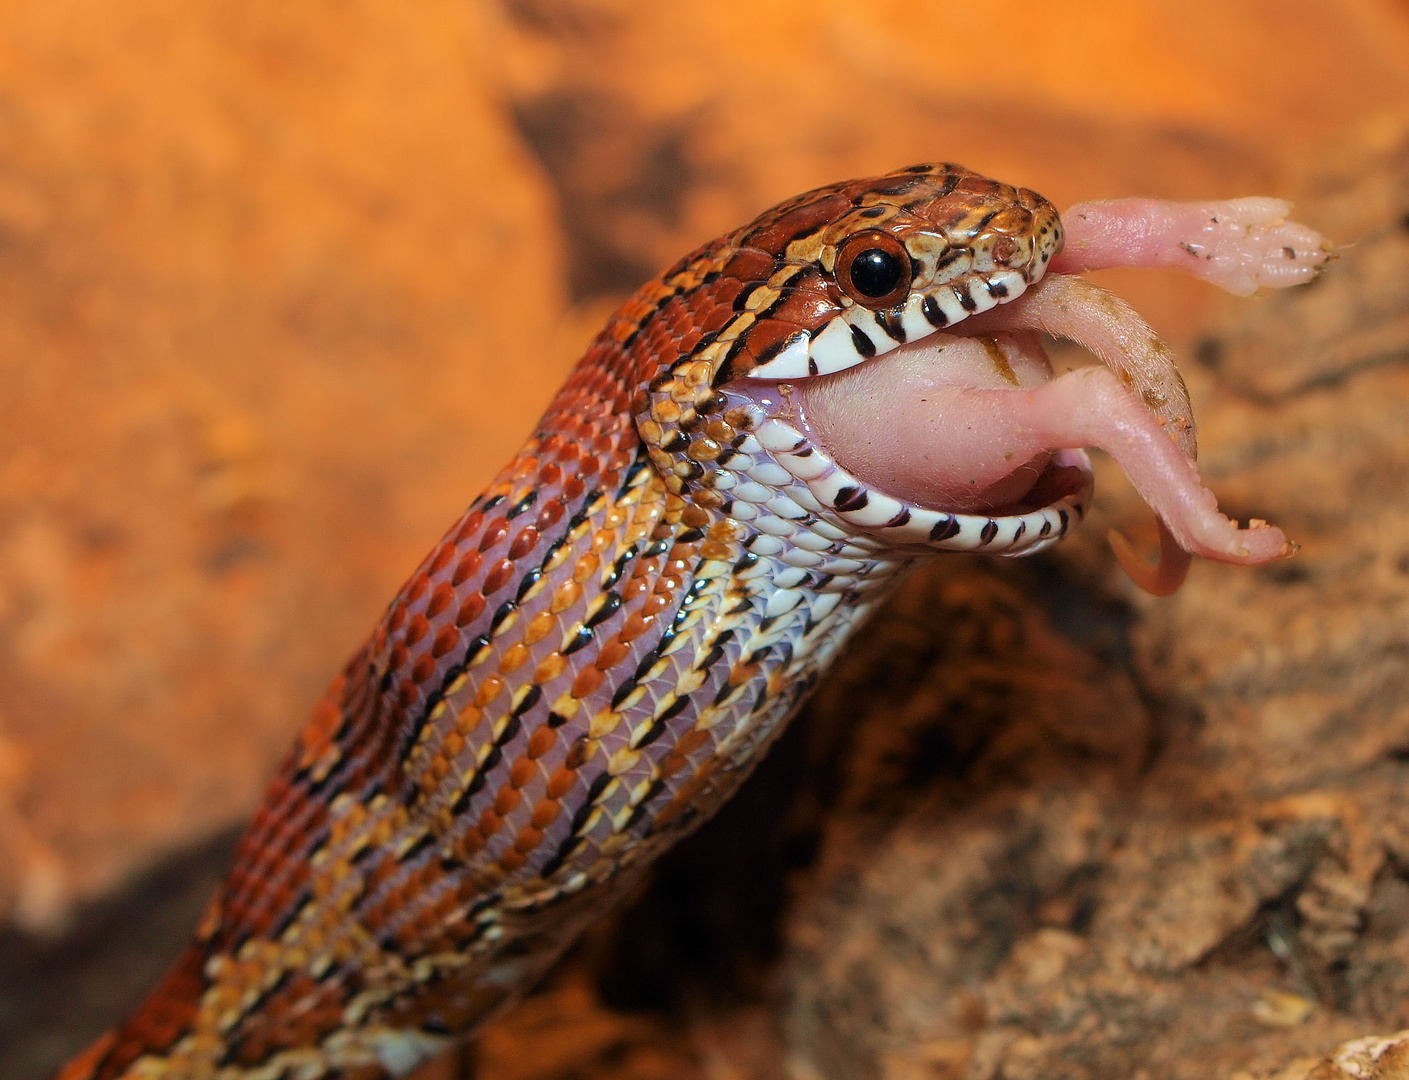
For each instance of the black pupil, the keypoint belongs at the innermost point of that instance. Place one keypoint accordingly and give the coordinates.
(875, 272)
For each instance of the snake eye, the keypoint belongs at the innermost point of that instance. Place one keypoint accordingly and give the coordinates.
(873, 268)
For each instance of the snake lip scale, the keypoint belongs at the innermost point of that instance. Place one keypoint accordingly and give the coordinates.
(747, 459)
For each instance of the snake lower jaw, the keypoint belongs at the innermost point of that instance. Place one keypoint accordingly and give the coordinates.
(976, 428)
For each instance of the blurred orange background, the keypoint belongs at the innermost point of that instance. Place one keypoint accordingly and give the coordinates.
(282, 284)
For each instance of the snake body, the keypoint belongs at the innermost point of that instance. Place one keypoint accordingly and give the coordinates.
(596, 654)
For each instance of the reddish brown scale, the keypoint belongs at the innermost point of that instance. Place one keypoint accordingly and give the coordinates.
(416, 629)
(498, 576)
(587, 682)
(493, 533)
(468, 527)
(441, 598)
(470, 609)
(397, 656)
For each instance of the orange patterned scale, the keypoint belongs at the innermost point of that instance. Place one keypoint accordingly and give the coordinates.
(584, 667)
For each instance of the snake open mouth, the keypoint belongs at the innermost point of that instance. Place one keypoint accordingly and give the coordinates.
(966, 439)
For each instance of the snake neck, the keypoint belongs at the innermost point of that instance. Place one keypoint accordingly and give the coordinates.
(585, 667)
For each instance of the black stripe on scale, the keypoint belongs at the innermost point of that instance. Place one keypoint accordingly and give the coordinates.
(636, 816)
(757, 656)
(624, 691)
(706, 340)
(522, 505)
(690, 536)
(473, 788)
(532, 578)
(945, 528)
(507, 608)
(491, 760)
(698, 585)
(427, 840)
(231, 1054)
(951, 256)
(530, 699)
(551, 550)
(851, 498)
(647, 318)
(889, 321)
(619, 567)
(784, 655)
(951, 179)
(982, 223)
(475, 925)
(291, 915)
(864, 345)
(1066, 521)
(1046, 529)
(1019, 531)
(511, 728)
(583, 814)
(997, 289)
(784, 292)
(648, 661)
(715, 403)
(492, 503)
(966, 300)
(675, 708)
(898, 187)
(773, 350)
(611, 604)
(872, 212)
(564, 852)
(656, 730)
(725, 371)
(418, 723)
(988, 532)
(724, 692)
(581, 638)
(929, 307)
(740, 605)
(585, 511)
(716, 652)
(598, 785)
(742, 299)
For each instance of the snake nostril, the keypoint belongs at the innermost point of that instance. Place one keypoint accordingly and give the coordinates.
(1004, 250)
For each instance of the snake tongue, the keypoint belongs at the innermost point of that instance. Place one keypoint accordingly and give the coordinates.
(935, 432)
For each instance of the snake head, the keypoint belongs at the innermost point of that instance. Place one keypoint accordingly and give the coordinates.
(864, 361)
